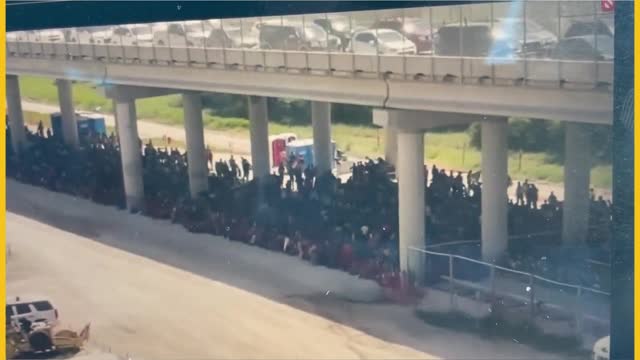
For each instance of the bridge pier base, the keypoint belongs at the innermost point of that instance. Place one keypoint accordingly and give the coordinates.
(495, 180)
(577, 167)
(411, 187)
(259, 133)
(67, 112)
(14, 111)
(321, 122)
(196, 152)
(131, 153)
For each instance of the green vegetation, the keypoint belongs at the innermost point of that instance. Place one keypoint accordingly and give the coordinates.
(449, 149)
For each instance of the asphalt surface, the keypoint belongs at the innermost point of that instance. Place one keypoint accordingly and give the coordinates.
(152, 290)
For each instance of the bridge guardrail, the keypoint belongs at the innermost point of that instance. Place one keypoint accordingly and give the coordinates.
(327, 44)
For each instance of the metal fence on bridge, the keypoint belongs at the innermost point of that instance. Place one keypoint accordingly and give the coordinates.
(521, 294)
(529, 42)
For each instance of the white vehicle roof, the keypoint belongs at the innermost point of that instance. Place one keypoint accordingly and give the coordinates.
(377, 31)
(12, 300)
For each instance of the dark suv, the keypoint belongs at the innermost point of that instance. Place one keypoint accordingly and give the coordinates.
(339, 26)
(295, 36)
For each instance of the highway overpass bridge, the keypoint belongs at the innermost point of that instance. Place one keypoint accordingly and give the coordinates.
(411, 93)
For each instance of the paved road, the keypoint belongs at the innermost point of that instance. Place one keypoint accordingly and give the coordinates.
(154, 290)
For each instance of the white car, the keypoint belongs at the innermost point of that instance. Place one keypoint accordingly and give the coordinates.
(50, 35)
(383, 42)
(187, 33)
(142, 34)
(33, 309)
(94, 35)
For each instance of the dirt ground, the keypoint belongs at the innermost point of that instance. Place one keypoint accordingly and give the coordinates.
(153, 290)
(241, 146)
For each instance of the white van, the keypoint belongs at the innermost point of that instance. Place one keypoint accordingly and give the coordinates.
(31, 308)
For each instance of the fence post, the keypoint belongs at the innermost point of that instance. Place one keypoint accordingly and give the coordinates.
(532, 306)
(451, 280)
(492, 281)
(578, 311)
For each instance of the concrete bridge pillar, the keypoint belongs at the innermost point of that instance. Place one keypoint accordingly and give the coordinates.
(410, 174)
(14, 112)
(196, 152)
(494, 188)
(321, 122)
(67, 112)
(259, 133)
(130, 152)
(577, 168)
(390, 145)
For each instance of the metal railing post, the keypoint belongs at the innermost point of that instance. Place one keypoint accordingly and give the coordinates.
(224, 45)
(492, 280)
(595, 44)
(525, 49)
(532, 306)
(204, 44)
(493, 63)
(578, 310)
(433, 45)
(451, 285)
(559, 32)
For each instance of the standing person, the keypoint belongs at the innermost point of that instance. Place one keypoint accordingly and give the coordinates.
(519, 194)
(234, 167)
(534, 196)
(245, 169)
(526, 188)
(281, 171)
(209, 157)
(40, 129)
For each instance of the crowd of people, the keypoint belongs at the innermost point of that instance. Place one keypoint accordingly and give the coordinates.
(350, 225)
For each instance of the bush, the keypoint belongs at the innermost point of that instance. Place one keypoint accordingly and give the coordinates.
(545, 136)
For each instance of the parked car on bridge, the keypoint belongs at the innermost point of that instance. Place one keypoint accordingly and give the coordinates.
(289, 35)
(415, 29)
(142, 34)
(49, 35)
(95, 35)
(340, 26)
(603, 26)
(539, 41)
(383, 42)
(188, 33)
(588, 48)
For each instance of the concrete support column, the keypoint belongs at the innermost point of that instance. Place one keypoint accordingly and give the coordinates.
(494, 188)
(410, 174)
(14, 111)
(131, 153)
(390, 145)
(259, 133)
(69, 125)
(321, 122)
(196, 152)
(577, 168)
